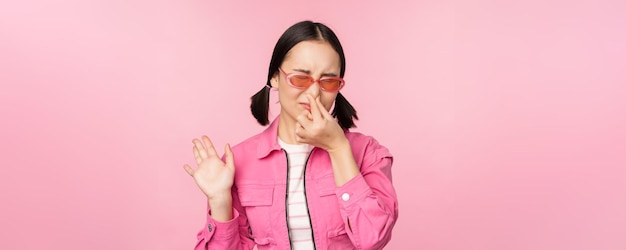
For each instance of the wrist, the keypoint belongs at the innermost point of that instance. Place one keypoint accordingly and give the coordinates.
(221, 208)
(220, 200)
(344, 165)
(341, 146)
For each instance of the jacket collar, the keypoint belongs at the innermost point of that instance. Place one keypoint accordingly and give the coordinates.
(268, 140)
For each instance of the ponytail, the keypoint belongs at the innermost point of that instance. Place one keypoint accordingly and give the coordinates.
(260, 105)
(344, 112)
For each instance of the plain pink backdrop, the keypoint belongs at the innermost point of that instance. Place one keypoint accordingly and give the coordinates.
(507, 119)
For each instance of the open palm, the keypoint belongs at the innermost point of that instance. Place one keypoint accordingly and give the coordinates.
(213, 176)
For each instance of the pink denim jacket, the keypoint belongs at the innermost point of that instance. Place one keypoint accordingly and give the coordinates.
(358, 215)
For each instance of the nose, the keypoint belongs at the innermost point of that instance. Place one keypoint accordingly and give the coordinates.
(314, 90)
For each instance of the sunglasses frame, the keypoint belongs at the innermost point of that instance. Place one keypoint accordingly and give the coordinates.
(318, 81)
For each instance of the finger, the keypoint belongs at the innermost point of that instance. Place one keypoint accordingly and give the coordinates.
(323, 110)
(300, 139)
(303, 119)
(188, 169)
(196, 155)
(229, 157)
(300, 134)
(209, 146)
(200, 148)
(315, 109)
(299, 130)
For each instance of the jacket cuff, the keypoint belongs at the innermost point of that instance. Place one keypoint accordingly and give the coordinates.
(353, 191)
(221, 230)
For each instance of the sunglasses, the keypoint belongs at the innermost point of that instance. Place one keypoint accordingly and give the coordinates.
(303, 80)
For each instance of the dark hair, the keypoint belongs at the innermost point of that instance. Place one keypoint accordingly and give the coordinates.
(303, 31)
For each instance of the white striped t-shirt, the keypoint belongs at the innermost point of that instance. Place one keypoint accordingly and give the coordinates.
(297, 213)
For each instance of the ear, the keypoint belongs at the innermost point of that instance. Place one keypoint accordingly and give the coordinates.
(274, 80)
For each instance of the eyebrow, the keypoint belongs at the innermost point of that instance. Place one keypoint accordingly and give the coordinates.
(308, 72)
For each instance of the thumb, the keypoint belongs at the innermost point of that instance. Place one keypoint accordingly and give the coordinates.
(228, 153)
(188, 169)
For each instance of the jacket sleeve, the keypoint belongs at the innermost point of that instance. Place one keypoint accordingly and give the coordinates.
(368, 202)
(233, 234)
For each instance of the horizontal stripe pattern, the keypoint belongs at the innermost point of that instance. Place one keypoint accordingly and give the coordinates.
(297, 213)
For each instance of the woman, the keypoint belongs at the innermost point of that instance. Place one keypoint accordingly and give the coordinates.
(305, 182)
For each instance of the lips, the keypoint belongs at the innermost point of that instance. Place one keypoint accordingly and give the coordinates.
(306, 106)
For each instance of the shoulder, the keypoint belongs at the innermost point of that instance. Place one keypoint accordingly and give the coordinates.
(248, 145)
(366, 145)
(359, 139)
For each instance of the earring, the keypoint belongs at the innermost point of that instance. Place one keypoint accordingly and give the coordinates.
(271, 88)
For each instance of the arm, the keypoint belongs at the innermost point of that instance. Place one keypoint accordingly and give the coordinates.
(368, 202)
(231, 234)
(226, 225)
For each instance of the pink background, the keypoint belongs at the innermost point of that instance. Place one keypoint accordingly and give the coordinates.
(507, 120)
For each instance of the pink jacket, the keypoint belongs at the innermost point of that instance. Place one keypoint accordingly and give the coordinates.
(358, 215)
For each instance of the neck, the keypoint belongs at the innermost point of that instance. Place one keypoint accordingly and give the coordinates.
(287, 129)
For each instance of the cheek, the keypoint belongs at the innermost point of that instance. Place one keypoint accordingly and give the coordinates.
(328, 102)
(288, 95)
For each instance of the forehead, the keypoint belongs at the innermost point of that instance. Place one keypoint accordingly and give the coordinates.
(314, 56)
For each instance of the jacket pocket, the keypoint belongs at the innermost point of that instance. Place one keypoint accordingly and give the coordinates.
(253, 195)
(264, 243)
(256, 200)
(338, 239)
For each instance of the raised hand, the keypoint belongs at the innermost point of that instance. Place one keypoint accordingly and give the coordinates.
(213, 176)
(319, 128)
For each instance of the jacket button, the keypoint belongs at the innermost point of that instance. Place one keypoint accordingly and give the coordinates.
(210, 227)
(345, 197)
